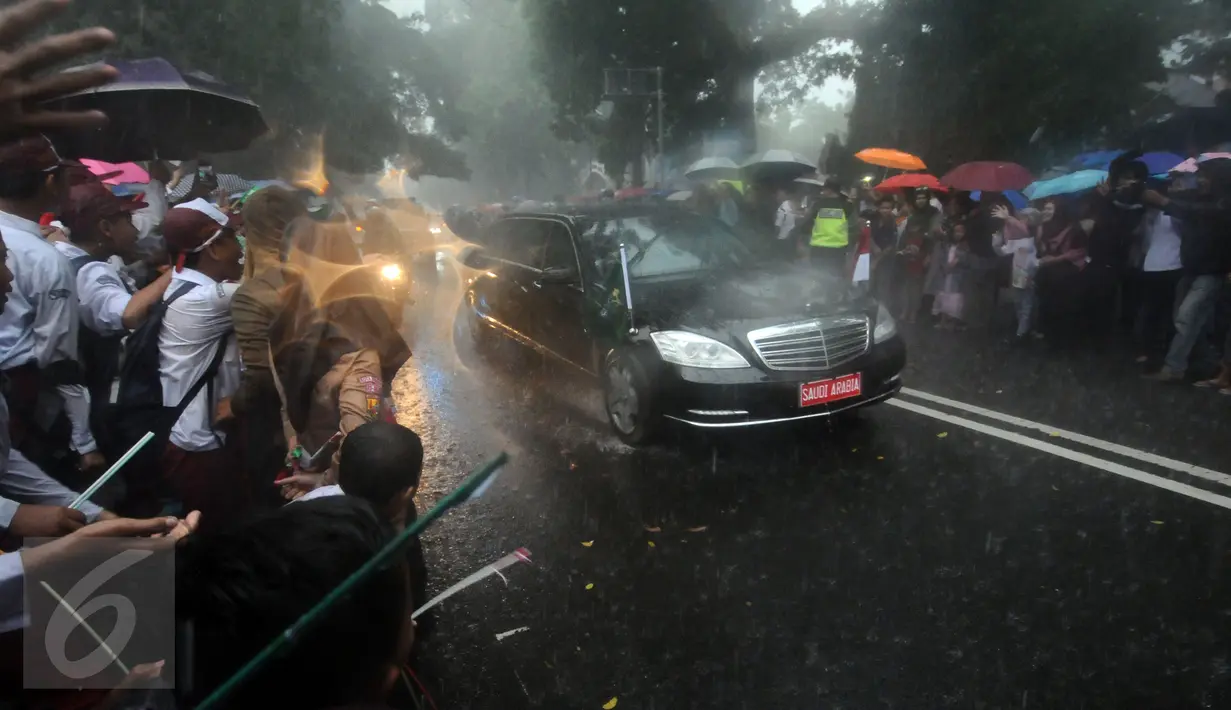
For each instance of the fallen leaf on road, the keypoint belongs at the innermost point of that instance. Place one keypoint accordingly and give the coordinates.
(942, 435)
(610, 704)
(853, 451)
(1054, 433)
(653, 529)
(590, 586)
(588, 543)
(880, 458)
(651, 543)
(699, 528)
(1157, 522)
(999, 391)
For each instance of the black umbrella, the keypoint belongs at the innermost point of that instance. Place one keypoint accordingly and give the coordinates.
(158, 111)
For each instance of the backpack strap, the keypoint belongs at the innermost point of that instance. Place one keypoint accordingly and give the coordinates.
(211, 371)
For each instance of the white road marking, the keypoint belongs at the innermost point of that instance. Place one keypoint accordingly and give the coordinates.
(1076, 456)
(505, 634)
(1146, 457)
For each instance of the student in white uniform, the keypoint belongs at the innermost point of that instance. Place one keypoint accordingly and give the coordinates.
(201, 462)
(38, 329)
(100, 226)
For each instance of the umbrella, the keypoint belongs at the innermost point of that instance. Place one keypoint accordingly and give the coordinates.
(630, 192)
(713, 169)
(911, 181)
(1156, 162)
(1015, 198)
(680, 196)
(992, 176)
(889, 158)
(114, 174)
(782, 164)
(159, 111)
(1190, 165)
(810, 181)
(1079, 181)
(1097, 160)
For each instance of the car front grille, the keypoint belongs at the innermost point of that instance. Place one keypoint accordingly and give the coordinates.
(818, 344)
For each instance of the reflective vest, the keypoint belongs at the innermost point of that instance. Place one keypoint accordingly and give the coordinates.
(737, 184)
(830, 228)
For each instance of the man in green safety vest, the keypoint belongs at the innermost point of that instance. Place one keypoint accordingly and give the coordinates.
(829, 220)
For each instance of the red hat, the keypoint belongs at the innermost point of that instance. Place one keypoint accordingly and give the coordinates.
(33, 154)
(190, 227)
(89, 202)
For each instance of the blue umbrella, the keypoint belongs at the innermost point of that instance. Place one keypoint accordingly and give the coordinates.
(1015, 198)
(1079, 181)
(1097, 160)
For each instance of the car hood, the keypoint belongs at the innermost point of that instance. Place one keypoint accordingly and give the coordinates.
(718, 300)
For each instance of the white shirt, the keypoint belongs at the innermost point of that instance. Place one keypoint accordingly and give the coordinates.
(189, 338)
(103, 292)
(39, 323)
(785, 221)
(1163, 251)
(322, 492)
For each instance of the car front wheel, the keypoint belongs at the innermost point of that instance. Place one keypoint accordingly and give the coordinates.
(629, 400)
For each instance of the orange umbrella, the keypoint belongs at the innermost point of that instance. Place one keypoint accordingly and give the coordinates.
(911, 181)
(888, 158)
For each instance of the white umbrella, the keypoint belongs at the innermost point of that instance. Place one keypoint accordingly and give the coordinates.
(679, 196)
(780, 163)
(810, 181)
(713, 168)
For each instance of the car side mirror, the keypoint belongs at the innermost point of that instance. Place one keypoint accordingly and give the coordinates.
(559, 275)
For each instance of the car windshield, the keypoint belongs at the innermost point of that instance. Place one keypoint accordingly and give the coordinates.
(665, 244)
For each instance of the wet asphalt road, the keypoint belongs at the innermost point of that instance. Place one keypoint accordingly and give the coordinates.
(895, 560)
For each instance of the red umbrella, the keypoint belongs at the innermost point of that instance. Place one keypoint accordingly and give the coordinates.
(630, 192)
(989, 176)
(908, 181)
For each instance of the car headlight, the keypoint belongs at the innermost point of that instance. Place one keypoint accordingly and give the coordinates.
(435, 230)
(691, 350)
(392, 272)
(886, 328)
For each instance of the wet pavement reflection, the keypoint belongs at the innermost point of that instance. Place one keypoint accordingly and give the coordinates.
(894, 559)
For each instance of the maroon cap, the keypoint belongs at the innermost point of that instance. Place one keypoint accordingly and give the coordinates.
(89, 202)
(33, 154)
(188, 227)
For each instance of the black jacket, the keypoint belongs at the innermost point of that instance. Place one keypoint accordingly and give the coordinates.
(1204, 225)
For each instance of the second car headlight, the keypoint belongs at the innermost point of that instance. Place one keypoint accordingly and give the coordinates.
(691, 350)
(886, 328)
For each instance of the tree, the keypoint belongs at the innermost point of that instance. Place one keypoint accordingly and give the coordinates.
(348, 70)
(711, 51)
(502, 106)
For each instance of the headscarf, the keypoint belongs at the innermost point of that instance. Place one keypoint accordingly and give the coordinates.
(267, 212)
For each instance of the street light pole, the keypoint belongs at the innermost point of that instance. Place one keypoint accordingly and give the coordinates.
(661, 172)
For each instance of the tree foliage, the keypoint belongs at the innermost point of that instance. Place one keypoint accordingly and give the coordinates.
(350, 70)
(501, 103)
(952, 81)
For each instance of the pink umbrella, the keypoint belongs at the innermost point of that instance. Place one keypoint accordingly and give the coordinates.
(1190, 165)
(117, 173)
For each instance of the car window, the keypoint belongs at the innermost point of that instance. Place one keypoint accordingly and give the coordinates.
(559, 253)
(518, 241)
(664, 244)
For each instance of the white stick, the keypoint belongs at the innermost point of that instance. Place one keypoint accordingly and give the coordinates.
(521, 554)
(89, 629)
(115, 467)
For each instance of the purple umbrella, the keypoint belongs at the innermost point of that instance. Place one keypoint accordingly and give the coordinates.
(159, 111)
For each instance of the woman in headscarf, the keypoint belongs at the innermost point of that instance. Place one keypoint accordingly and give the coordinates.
(335, 346)
(256, 304)
(1061, 246)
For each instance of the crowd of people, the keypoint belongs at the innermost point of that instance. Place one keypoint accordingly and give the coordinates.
(251, 344)
(1137, 255)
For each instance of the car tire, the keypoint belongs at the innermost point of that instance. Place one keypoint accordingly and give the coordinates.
(628, 399)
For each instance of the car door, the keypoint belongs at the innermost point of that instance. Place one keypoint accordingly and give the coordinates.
(559, 294)
(500, 292)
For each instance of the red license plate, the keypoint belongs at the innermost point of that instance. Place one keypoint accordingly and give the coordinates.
(824, 391)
